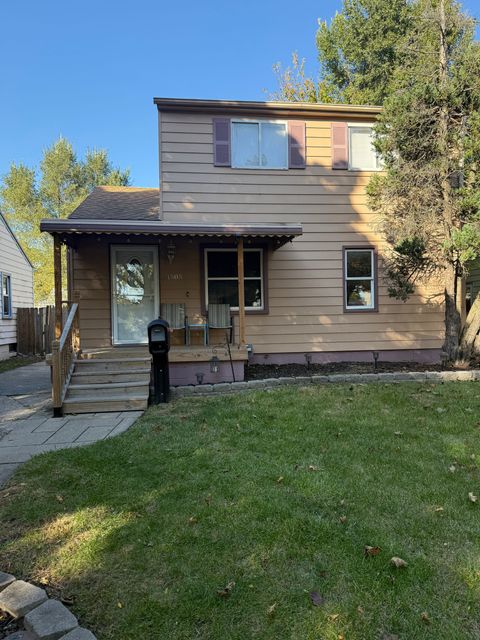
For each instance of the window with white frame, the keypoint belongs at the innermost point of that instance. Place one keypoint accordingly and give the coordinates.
(360, 284)
(6, 296)
(361, 152)
(259, 144)
(221, 278)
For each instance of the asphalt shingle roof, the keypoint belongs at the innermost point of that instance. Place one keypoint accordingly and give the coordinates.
(120, 203)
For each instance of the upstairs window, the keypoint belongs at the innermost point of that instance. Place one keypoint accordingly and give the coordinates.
(259, 144)
(360, 279)
(6, 296)
(361, 152)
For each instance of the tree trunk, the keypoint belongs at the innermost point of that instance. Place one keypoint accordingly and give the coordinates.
(453, 322)
(470, 332)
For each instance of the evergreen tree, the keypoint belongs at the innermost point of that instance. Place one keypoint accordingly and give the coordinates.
(357, 53)
(428, 198)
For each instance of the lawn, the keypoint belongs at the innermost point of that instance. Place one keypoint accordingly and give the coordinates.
(247, 516)
(17, 361)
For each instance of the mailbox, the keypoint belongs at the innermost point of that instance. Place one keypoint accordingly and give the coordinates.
(158, 336)
(159, 346)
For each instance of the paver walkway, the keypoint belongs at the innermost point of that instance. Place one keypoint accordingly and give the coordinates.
(26, 425)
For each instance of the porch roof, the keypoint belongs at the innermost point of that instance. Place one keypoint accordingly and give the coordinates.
(281, 232)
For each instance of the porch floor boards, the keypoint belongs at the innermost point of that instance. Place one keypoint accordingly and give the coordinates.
(177, 353)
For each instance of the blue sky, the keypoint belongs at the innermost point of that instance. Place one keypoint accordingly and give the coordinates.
(88, 69)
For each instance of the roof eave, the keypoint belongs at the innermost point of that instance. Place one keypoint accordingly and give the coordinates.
(139, 227)
(300, 109)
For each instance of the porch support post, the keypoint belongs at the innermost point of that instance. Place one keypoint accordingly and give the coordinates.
(57, 274)
(241, 293)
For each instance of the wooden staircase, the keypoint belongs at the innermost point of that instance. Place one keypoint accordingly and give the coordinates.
(109, 380)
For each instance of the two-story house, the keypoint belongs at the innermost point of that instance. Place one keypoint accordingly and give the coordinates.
(260, 222)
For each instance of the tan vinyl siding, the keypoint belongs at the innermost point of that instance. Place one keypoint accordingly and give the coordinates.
(14, 263)
(305, 278)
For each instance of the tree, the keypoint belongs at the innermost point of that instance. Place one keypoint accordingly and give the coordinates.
(357, 53)
(428, 197)
(63, 181)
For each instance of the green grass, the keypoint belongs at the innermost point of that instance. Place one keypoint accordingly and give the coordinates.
(145, 529)
(17, 361)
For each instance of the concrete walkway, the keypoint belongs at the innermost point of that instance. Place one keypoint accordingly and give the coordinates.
(26, 425)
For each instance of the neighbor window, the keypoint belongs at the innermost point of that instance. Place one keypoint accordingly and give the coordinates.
(360, 282)
(6, 296)
(259, 145)
(361, 153)
(221, 277)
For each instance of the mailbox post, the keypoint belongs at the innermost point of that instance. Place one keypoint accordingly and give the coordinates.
(159, 346)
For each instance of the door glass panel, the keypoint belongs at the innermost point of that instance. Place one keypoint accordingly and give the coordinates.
(134, 294)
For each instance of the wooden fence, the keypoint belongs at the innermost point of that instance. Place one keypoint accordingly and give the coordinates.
(35, 330)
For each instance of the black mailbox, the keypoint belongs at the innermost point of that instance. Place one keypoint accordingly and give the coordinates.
(159, 346)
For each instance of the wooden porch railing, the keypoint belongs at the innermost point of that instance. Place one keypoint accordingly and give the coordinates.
(64, 355)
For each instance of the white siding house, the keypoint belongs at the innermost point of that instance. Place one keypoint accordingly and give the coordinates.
(16, 278)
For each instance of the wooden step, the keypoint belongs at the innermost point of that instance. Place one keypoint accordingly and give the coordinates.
(96, 404)
(112, 364)
(118, 354)
(86, 376)
(106, 389)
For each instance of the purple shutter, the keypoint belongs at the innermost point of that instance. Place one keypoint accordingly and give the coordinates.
(339, 145)
(221, 142)
(296, 144)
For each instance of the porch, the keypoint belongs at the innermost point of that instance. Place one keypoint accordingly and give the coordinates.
(119, 273)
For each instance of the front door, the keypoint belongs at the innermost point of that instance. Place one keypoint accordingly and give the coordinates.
(134, 292)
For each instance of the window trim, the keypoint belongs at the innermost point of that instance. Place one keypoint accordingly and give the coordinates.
(360, 125)
(259, 122)
(8, 316)
(374, 279)
(263, 273)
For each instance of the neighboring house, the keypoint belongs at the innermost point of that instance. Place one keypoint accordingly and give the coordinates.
(16, 278)
(278, 188)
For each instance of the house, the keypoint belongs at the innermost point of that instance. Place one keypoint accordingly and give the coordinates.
(16, 278)
(261, 206)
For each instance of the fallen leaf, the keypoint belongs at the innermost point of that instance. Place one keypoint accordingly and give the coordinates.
(226, 591)
(452, 469)
(280, 479)
(193, 520)
(333, 617)
(119, 605)
(342, 502)
(59, 498)
(316, 598)
(438, 509)
(340, 637)
(397, 433)
(371, 551)
(312, 467)
(472, 497)
(424, 617)
(360, 610)
(272, 609)
(343, 519)
(398, 562)
(440, 410)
